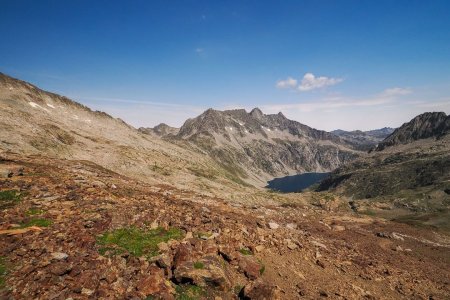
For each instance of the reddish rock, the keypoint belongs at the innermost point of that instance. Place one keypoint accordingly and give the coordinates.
(153, 283)
(208, 271)
(182, 254)
(250, 266)
(261, 290)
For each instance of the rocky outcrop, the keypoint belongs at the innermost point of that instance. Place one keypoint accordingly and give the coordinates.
(413, 160)
(427, 125)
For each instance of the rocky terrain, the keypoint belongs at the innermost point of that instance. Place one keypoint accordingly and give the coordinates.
(407, 175)
(364, 140)
(33, 121)
(427, 125)
(71, 229)
(92, 208)
(257, 147)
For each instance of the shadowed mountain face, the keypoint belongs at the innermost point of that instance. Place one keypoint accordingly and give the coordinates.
(257, 147)
(427, 125)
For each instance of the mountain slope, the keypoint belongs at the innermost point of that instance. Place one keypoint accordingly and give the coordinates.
(257, 147)
(410, 170)
(430, 124)
(33, 121)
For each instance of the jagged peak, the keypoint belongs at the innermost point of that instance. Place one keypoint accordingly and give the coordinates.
(256, 112)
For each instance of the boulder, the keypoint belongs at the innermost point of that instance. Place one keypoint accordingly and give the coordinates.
(207, 271)
(260, 290)
(249, 266)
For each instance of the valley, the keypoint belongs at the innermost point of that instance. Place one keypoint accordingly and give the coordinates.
(93, 208)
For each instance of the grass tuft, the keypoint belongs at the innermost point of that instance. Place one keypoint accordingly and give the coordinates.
(9, 198)
(3, 272)
(189, 292)
(245, 251)
(199, 265)
(37, 222)
(137, 242)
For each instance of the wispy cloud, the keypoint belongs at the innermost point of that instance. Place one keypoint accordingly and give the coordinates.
(309, 82)
(199, 50)
(286, 84)
(386, 96)
(397, 91)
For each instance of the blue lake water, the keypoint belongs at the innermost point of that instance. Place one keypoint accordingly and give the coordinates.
(295, 183)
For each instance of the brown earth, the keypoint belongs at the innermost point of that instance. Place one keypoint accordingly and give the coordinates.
(275, 251)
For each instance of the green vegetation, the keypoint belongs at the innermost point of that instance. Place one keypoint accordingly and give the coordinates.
(199, 265)
(3, 272)
(262, 269)
(137, 242)
(34, 211)
(9, 198)
(37, 222)
(189, 292)
(161, 170)
(245, 251)
(203, 235)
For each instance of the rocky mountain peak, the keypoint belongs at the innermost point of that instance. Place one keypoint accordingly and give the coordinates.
(426, 125)
(256, 113)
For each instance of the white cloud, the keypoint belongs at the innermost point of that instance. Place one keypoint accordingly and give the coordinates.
(396, 91)
(286, 84)
(199, 50)
(311, 82)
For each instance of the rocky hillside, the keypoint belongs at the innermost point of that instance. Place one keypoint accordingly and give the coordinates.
(410, 171)
(364, 140)
(33, 121)
(427, 125)
(74, 230)
(257, 147)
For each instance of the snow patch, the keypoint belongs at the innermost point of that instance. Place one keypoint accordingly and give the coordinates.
(35, 105)
(49, 105)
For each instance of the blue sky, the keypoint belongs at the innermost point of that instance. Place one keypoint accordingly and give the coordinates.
(327, 64)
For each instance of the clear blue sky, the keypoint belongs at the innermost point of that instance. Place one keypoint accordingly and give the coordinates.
(328, 64)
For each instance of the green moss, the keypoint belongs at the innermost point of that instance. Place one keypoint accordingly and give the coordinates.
(37, 222)
(137, 242)
(199, 265)
(262, 269)
(245, 251)
(34, 211)
(3, 272)
(9, 198)
(189, 292)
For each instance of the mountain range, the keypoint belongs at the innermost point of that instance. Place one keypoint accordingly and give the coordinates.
(93, 208)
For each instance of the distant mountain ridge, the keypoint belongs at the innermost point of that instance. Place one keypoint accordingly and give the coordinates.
(364, 140)
(258, 147)
(426, 125)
